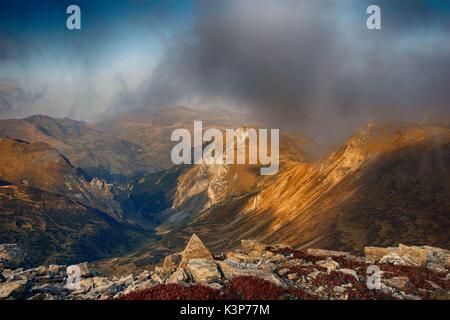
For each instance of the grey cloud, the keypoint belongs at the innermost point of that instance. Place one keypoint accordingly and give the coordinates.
(303, 65)
(309, 66)
(14, 100)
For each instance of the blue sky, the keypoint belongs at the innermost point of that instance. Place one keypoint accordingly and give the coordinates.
(114, 22)
(119, 45)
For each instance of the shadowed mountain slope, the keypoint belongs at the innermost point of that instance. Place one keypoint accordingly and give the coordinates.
(40, 166)
(56, 229)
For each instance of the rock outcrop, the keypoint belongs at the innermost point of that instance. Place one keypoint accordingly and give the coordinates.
(425, 256)
(195, 249)
(12, 255)
(256, 271)
(203, 270)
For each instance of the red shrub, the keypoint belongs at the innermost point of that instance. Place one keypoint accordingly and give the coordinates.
(363, 293)
(252, 288)
(174, 292)
(358, 290)
(240, 288)
(334, 279)
(359, 267)
(300, 294)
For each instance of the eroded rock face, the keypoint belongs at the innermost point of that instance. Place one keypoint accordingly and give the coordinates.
(376, 253)
(179, 276)
(12, 256)
(327, 253)
(80, 269)
(231, 270)
(171, 262)
(14, 289)
(203, 270)
(419, 254)
(410, 255)
(393, 258)
(330, 265)
(400, 283)
(209, 183)
(240, 256)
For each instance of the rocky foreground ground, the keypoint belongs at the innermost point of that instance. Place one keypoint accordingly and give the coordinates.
(256, 271)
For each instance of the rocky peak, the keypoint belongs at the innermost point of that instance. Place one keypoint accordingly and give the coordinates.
(208, 184)
(101, 185)
(195, 249)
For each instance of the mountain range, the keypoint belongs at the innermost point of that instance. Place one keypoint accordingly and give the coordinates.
(73, 190)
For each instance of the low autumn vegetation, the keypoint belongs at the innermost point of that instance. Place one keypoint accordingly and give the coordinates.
(334, 279)
(314, 282)
(359, 267)
(174, 292)
(239, 288)
(251, 288)
(357, 291)
(299, 294)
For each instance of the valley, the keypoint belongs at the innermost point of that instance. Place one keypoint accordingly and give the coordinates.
(108, 194)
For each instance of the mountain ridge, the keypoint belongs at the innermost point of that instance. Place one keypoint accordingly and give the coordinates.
(384, 185)
(354, 197)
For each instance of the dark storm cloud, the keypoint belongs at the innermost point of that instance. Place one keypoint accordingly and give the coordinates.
(311, 65)
(306, 65)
